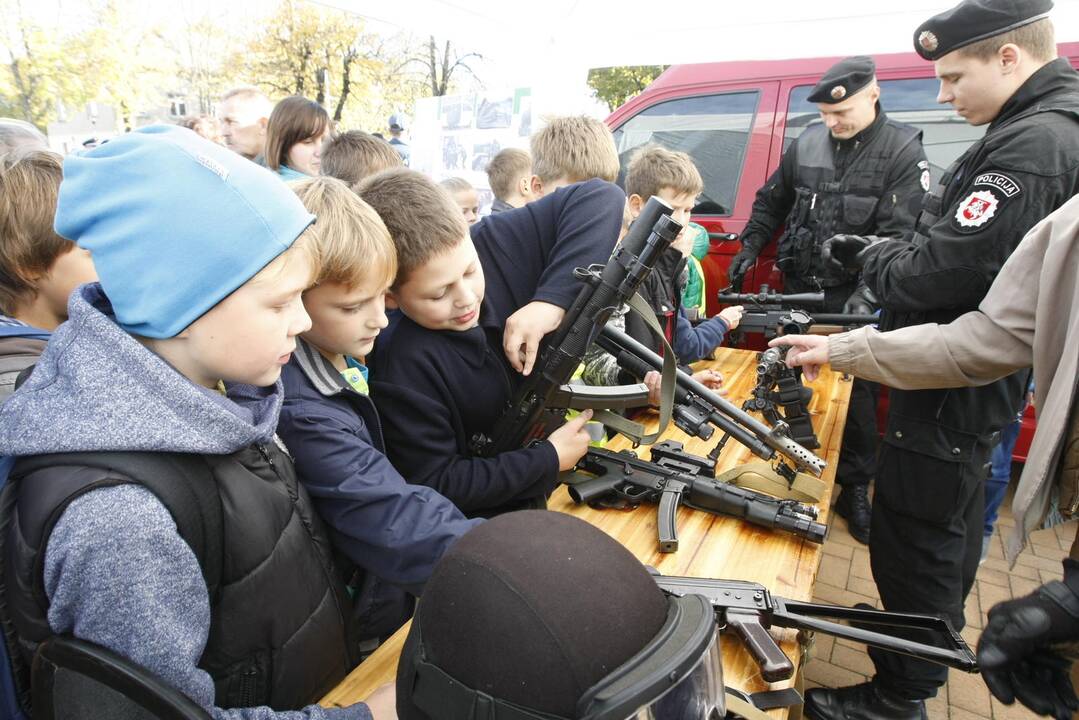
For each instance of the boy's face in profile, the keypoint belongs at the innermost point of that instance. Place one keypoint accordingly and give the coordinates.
(345, 319)
(250, 335)
(681, 209)
(469, 202)
(445, 293)
(67, 272)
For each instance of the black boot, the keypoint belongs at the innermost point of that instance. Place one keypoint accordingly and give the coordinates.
(860, 702)
(853, 506)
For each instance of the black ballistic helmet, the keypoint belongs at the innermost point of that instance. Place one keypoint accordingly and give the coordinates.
(537, 614)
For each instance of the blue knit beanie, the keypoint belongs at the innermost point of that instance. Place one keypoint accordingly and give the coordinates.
(174, 223)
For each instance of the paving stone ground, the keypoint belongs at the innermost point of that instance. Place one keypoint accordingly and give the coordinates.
(844, 578)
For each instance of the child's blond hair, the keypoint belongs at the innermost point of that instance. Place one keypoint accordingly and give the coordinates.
(577, 148)
(29, 184)
(653, 168)
(505, 169)
(351, 241)
(422, 218)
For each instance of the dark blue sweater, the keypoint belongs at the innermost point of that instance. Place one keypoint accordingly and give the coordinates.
(437, 389)
(387, 527)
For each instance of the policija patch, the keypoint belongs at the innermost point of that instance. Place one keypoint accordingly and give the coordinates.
(979, 208)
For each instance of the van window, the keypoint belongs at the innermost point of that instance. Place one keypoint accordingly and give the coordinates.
(713, 129)
(945, 135)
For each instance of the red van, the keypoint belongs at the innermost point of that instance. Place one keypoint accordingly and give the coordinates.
(736, 118)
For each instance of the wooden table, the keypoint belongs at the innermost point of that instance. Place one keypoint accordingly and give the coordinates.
(709, 545)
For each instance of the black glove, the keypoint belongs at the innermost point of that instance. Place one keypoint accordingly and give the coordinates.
(861, 302)
(741, 263)
(1015, 650)
(844, 251)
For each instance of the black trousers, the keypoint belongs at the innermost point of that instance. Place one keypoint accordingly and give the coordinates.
(924, 546)
(858, 454)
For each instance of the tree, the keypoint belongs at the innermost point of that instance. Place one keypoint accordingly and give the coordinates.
(441, 63)
(616, 85)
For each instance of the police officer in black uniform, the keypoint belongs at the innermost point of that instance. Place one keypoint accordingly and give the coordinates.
(858, 172)
(997, 64)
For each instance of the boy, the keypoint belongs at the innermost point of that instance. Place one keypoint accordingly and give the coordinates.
(355, 155)
(394, 531)
(510, 177)
(672, 176)
(40, 267)
(440, 377)
(569, 150)
(465, 197)
(151, 514)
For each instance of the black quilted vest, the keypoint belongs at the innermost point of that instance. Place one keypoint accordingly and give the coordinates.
(279, 631)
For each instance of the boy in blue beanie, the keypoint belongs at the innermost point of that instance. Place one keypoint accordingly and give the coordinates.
(394, 531)
(151, 514)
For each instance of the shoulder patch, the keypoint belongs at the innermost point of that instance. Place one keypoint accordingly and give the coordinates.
(976, 209)
(1005, 184)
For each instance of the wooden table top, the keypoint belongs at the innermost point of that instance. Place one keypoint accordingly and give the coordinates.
(709, 545)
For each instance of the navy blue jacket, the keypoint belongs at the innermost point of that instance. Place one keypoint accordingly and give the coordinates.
(438, 388)
(388, 527)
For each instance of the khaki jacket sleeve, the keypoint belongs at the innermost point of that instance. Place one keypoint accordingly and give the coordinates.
(972, 350)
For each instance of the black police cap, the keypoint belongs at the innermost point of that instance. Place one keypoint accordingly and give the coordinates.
(974, 20)
(844, 79)
(533, 607)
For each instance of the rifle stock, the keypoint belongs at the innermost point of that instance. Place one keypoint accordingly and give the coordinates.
(749, 609)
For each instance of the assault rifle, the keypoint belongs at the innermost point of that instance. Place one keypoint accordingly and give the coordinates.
(698, 407)
(771, 314)
(674, 478)
(540, 403)
(781, 397)
(749, 609)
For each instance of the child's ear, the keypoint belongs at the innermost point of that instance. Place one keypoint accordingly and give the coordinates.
(635, 202)
(391, 301)
(524, 186)
(537, 186)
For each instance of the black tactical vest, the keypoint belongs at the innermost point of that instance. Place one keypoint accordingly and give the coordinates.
(280, 633)
(828, 203)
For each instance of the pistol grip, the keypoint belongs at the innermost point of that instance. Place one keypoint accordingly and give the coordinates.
(774, 664)
(669, 501)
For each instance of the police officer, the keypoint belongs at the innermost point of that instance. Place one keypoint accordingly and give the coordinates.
(859, 172)
(997, 64)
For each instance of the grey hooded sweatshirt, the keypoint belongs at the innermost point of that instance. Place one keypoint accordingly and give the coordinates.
(117, 572)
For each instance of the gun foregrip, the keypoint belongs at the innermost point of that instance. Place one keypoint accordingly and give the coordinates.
(774, 664)
(668, 512)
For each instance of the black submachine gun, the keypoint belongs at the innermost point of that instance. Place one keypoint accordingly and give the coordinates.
(675, 477)
(540, 403)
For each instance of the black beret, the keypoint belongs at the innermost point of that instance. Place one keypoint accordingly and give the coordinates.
(844, 79)
(533, 607)
(974, 20)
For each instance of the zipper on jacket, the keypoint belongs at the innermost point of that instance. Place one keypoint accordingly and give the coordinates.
(248, 686)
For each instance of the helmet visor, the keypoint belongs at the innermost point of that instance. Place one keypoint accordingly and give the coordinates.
(699, 696)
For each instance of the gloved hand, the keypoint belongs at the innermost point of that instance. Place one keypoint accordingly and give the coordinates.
(844, 251)
(741, 263)
(1015, 655)
(861, 302)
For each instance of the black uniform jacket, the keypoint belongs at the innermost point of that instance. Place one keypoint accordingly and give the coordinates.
(1025, 167)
